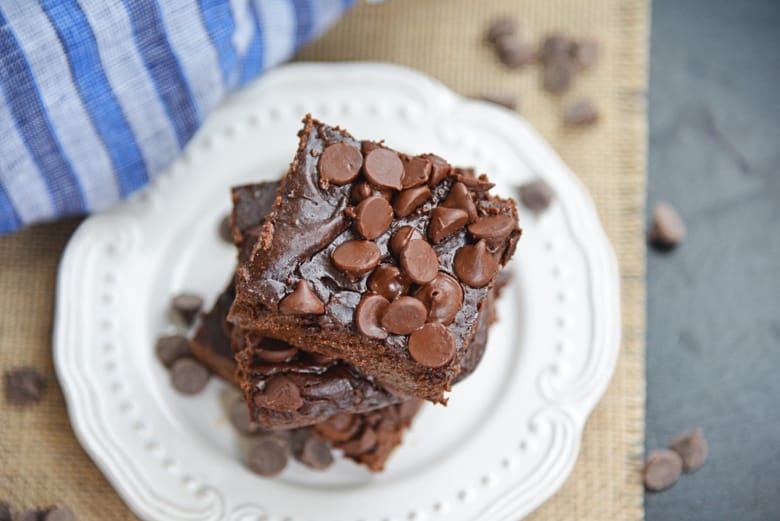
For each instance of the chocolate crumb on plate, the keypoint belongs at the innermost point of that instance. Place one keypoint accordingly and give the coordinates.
(24, 386)
(171, 348)
(187, 306)
(662, 468)
(536, 195)
(268, 455)
(667, 229)
(692, 448)
(189, 376)
(581, 113)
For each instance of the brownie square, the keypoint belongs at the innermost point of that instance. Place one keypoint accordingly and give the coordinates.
(376, 258)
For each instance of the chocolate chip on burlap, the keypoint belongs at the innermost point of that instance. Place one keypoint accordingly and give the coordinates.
(667, 228)
(662, 468)
(60, 513)
(373, 217)
(189, 376)
(240, 419)
(268, 455)
(302, 301)
(432, 346)
(419, 261)
(5, 511)
(417, 171)
(446, 221)
(171, 348)
(339, 164)
(225, 230)
(555, 48)
(475, 265)
(275, 351)
(492, 227)
(585, 52)
(443, 297)
(404, 315)
(32, 514)
(356, 258)
(187, 306)
(514, 53)
(460, 197)
(557, 77)
(409, 200)
(383, 168)
(388, 281)
(24, 386)
(279, 394)
(536, 195)
(581, 113)
(401, 238)
(368, 316)
(692, 448)
(500, 27)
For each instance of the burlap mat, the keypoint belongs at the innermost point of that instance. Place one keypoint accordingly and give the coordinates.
(41, 462)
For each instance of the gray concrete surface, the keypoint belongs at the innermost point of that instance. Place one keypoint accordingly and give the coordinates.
(713, 338)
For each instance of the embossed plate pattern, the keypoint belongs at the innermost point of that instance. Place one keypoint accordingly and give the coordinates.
(511, 433)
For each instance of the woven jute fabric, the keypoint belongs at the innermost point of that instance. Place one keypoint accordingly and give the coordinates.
(42, 463)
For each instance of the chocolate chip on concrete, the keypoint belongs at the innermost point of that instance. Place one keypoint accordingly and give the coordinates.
(667, 228)
(692, 448)
(662, 468)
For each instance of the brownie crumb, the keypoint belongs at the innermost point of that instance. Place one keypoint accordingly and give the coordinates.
(187, 306)
(536, 195)
(24, 386)
(581, 113)
(662, 468)
(667, 229)
(692, 448)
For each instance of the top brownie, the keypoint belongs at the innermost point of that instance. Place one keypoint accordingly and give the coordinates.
(376, 258)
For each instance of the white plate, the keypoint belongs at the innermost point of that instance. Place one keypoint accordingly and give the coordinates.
(511, 433)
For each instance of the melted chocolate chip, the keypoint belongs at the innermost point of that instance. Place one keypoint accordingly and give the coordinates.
(402, 237)
(460, 197)
(356, 258)
(439, 168)
(417, 171)
(373, 217)
(340, 163)
(368, 316)
(275, 351)
(388, 281)
(443, 297)
(404, 315)
(383, 168)
(446, 221)
(409, 200)
(492, 227)
(419, 262)
(280, 394)
(432, 346)
(302, 301)
(475, 265)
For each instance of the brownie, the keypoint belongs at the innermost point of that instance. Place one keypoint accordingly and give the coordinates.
(376, 258)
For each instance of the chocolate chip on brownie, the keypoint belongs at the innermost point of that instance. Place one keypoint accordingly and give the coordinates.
(24, 386)
(662, 468)
(302, 301)
(187, 306)
(692, 448)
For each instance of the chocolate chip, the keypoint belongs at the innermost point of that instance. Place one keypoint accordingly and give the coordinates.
(581, 113)
(368, 316)
(32, 514)
(513, 53)
(360, 191)
(473, 183)
(692, 448)
(225, 230)
(502, 26)
(404, 315)
(388, 281)
(419, 262)
(445, 221)
(557, 77)
(443, 297)
(536, 195)
(5, 511)
(555, 48)
(171, 348)
(339, 164)
(407, 201)
(314, 453)
(339, 427)
(460, 197)
(268, 455)
(60, 513)
(662, 468)
(24, 386)
(475, 265)
(302, 301)
(417, 171)
(189, 376)
(585, 53)
(667, 229)
(364, 443)
(504, 99)
(439, 168)
(492, 227)
(275, 351)
(402, 237)
(383, 168)
(368, 146)
(373, 217)
(432, 346)
(239, 417)
(279, 394)
(187, 306)
(356, 258)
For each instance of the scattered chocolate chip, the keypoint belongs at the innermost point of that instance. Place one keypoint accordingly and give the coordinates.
(581, 113)
(439, 168)
(225, 230)
(302, 301)
(24, 386)
(268, 455)
(492, 227)
(500, 27)
(475, 265)
(187, 306)
(585, 53)
(5, 511)
(171, 348)
(388, 281)
(443, 297)
(404, 315)
(555, 48)
(60, 513)
(417, 171)
(340, 163)
(275, 351)
(505, 100)
(239, 417)
(32, 514)
(339, 427)
(662, 468)
(409, 200)
(314, 453)
(368, 316)
(668, 228)
(692, 448)
(373, 217)
(536, 195)
(446, 221)
(356, 258)
(432, 346)
(557, 77)
(513, 53)
(189, 376)
(402, 237)
(460, 197)
(419, 261)
(360, 191)
(383, 168)
(364, 443)
(279, 394)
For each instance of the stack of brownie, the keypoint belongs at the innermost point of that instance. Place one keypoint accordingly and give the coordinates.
(366, 283)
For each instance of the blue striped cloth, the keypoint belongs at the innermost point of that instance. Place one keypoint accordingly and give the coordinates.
(98, 96)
